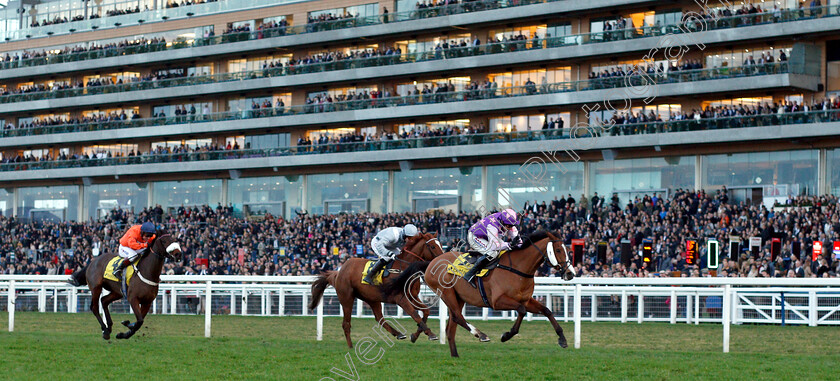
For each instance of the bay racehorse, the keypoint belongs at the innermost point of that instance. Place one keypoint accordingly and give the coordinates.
(142, 288)
(348, 285)
(510, 286)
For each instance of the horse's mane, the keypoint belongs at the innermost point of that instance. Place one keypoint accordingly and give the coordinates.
(535, 237)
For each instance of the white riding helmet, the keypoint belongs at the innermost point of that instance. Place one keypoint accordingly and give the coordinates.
(410, 230)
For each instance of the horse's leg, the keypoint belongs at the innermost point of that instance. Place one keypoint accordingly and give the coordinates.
(421, 321)
(535, 306)
(377, 314)
(347, 307)
(455, 305)
(133, 327)
(506, 303)
(451, 327)
(106, 303)
(95, 293)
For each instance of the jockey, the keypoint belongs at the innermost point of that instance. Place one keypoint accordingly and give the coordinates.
(387, 244)
(490, 236)
(135, 241)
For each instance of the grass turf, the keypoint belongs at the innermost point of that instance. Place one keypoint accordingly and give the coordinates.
(69, 346)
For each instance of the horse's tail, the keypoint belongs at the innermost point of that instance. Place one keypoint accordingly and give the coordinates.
(397, 286)
(324, 280)
(79, 277)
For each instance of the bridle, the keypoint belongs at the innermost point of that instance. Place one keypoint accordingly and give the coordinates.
(548, 255)
(426, 245)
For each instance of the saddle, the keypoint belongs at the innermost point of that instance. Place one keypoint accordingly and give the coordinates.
(377, 278)
(113, 264)
(467, 260)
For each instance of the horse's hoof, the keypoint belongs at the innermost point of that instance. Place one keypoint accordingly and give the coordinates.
(121, 335)
(401, 337)
(506, 336)
(562, 342)
(433, 338)
(484, 338)
(413, 338)
(126, 323)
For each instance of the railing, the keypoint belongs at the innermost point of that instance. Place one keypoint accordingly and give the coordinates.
(226, 6)
(641, 79)
(481, 50)
(674, 300)
(439, 141)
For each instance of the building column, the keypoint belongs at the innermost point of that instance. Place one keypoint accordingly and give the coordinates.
(390, 200)
(587, 180)
(823, 183)
(15, 201)
(304, 203)
(698, 172)
(150, 195)
(485, 190)
(81, 211)
(224, 196)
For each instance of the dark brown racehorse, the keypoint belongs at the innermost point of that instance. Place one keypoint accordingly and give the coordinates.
(508, 287)
(347, 282)
(142, 289)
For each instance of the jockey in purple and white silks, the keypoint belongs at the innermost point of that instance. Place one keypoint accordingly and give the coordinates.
(490, 235)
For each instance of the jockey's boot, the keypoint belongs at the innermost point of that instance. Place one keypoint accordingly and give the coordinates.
(374, 269)
(479, 264)
(119, 271)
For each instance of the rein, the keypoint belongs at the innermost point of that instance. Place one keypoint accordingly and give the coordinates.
(425, 245)
(563, 268)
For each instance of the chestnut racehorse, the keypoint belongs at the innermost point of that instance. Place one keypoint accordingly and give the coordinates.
(510, 286)
(142, 289)
(348, 285)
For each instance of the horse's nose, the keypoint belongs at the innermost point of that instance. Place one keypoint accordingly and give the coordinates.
(569, 275)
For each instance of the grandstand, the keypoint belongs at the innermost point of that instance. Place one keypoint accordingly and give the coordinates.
(283, 134)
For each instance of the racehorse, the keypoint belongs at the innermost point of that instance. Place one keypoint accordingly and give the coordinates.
(348, 285)
(142, 289)
(510, 286)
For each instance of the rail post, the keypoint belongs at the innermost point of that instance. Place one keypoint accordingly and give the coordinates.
(208, 298)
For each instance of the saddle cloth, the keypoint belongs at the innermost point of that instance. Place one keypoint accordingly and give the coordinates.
(466, 261)
(113, 264)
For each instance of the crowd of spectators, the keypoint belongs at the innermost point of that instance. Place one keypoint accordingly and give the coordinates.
(218, 241)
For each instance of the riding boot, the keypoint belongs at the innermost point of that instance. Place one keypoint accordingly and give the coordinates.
(375, 269)
(479, 264)
(119, 271)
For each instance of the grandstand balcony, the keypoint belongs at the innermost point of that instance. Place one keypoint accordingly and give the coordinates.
(678, 83)
(686, 133)
(610, 43)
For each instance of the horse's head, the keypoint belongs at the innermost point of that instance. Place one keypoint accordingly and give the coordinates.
(167, 246)
(426, 246)
(556, 254)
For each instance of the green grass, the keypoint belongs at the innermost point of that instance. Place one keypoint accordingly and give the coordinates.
(69, 346)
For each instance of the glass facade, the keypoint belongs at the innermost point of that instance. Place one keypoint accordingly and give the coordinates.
(832, 159)
(281, 196)
(56, 203)
(447, 189)
(636, 177)
(775, 174)
(172, 194)
(347, 192)
(101, 198)
(534, 181)
(7, 201)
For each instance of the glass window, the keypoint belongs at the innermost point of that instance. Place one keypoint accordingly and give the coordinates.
(102, 198)
(417, 128)
(537, 180)
(833, 168)
(7, 200)
(446, 189)
(114, 150)
(776, 173)
(172, 194)
(635, 177)
(558, 30)
(280, 196)
(537, 76)
(347, 192)
(58, 203)
(528, 122)
(418, 87)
